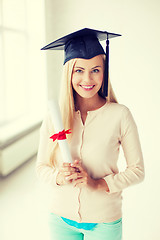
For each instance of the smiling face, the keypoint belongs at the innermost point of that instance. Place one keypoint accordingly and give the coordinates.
(87, 76)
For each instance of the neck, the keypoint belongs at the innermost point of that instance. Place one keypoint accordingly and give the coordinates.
(89, 104)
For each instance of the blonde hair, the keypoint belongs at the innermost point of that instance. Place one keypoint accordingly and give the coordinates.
(67, 104)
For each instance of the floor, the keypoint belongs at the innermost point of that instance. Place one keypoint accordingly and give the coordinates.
(23, 213)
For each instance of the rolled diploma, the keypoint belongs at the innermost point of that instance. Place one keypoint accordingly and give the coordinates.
(58, 126)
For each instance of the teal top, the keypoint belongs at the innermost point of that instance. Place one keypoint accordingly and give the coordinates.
(85, 226)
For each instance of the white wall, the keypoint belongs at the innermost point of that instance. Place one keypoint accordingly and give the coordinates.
(135, 75)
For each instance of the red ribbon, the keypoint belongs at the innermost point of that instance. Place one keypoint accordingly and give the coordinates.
(61, 135)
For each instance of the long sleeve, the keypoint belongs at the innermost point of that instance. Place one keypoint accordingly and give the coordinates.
(97, 144)
(44, 171)
(134, 172)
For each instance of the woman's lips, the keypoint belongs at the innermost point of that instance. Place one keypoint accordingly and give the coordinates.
(87, 87)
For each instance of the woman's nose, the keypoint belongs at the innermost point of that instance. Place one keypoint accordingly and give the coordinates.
(87, 77)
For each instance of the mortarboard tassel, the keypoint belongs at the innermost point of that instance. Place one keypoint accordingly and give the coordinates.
(106, 74)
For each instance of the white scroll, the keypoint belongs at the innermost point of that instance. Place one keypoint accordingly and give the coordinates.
(58, 126)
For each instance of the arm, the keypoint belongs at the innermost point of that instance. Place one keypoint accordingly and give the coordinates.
(134, 172)
(44, 170)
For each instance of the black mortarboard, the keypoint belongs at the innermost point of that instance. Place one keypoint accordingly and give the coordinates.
(85, 44)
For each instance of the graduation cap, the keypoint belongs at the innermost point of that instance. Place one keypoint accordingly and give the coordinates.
(85, 44)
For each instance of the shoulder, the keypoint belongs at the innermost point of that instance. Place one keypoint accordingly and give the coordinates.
(116, 108)
(117, 113)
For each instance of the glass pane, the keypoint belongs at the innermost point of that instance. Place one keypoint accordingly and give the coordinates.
(0, 12)
(15, 72)
(14, 14)
(2, 87)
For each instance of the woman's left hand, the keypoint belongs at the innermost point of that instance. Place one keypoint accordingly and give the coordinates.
(81, 178)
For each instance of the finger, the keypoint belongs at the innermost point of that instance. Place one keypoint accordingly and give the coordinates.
(71, 177)
(71, 173)
(79, 168)
(72, 168)
(74, 176)
(66, 164)
(67, 169)
(75, 163)
(78, 165)
(65, 175)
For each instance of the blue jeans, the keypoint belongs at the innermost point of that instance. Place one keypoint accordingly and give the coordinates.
(60, 230)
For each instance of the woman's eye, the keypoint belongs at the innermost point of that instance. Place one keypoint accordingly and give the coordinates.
(95, 70)
(78, 71)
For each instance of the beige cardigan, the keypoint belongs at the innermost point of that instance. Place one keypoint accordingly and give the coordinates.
(97, 144)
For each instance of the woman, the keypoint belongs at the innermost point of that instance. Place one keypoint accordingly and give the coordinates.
(86, 195)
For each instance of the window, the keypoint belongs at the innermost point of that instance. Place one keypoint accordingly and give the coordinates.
(22, 71)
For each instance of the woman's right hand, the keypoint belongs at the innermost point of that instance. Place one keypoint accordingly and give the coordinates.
(65, 171)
